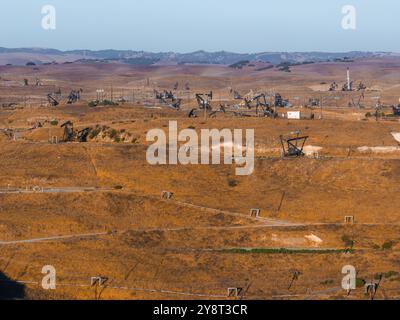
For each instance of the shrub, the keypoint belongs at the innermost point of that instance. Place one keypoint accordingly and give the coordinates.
(93, 104)
(232, 183)
(109, 103)
(113, 134)
(390, 274)
(387, 245)
(360, 283)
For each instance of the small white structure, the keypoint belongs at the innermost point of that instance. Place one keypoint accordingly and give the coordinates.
(294, 115)
(349, 219)
(166, 195)
(255, 213)
(234, 292)
(54, 140)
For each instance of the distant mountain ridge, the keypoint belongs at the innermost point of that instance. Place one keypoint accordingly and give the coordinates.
(21, 56)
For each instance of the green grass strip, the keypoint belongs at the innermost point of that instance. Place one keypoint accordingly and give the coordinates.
(284, 251)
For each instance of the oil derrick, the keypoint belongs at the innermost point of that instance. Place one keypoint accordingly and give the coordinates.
(348, 86)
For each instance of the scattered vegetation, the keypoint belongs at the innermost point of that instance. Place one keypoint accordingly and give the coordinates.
(105, 102)
(387, 245)
(285, 66)
(360, 283)
(265, 68)
(239, 64)
(232, 182)
(105, 133)
(327, 282)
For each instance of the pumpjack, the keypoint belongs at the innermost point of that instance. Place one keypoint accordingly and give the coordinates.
(293, 145)
(83, 135)
(262, 107)
(280, 102)
(68, 131)
(71, 135)
(237, 96)
(203, 100)
(334, 86)
(396, 110)
(164, 96)
(74, 96)
(52, 101)
(361, 86)
(176, 105)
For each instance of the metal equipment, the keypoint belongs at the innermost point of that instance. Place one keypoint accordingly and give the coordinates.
(293, 145)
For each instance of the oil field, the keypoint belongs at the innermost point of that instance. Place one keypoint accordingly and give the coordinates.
(78, 194)
(199, 158)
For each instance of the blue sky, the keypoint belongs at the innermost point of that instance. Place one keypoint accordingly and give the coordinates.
(212, 25)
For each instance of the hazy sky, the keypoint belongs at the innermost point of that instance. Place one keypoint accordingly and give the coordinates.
(212, 25)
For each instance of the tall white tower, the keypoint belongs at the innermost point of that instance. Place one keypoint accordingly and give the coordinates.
(348, 80)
